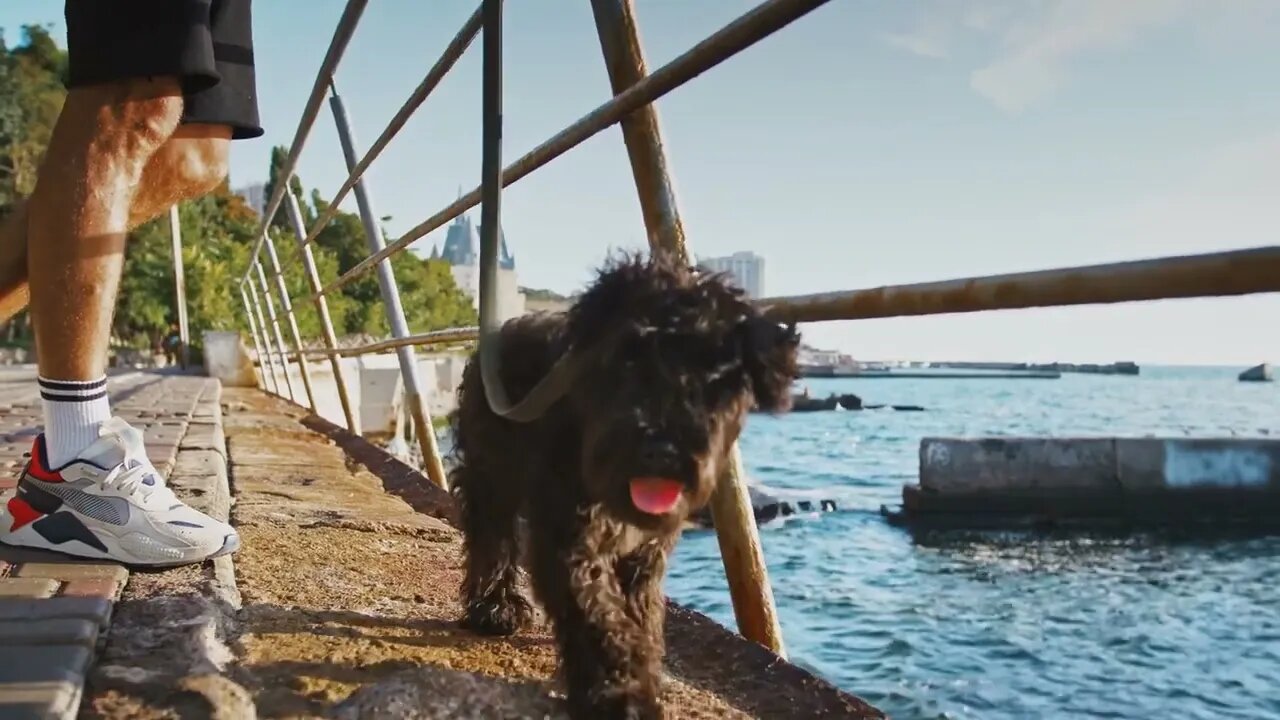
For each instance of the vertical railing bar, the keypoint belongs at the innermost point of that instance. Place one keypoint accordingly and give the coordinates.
(731, 511)
(253, 332)
(275, 326)
(287, 307)
(413, 396)
(322, 308)
(250, 283)
(179, 285)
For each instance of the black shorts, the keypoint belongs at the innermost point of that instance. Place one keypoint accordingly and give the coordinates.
(206, 43)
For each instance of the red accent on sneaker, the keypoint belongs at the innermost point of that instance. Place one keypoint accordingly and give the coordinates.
(36, 468)
(22, 513)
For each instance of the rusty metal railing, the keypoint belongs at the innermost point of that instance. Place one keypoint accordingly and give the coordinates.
(634, 92)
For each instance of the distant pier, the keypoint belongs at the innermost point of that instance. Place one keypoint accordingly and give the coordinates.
(829, 371)
(1004, 482)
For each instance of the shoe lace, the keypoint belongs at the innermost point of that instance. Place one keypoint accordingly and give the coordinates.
(130, 477)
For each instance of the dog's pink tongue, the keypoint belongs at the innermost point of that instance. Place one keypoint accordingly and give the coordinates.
(655, 495)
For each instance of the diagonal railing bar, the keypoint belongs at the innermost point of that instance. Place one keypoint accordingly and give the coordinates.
(337, 46)
(1220, 274)
(757, 24)
(730, 504)
(447, 60)
(449, 336)
(322, 311)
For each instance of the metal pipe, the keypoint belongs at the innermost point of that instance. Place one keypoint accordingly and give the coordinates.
(732, 515)
(757, 24)
(337, 47)
(253, 332)
(287, 307)
(1234, 272)
(391, 304)
(179, 285)
(322, 308)
(275, 325)
(265, 349)
(452, 53)
(558, 380)
(435, 337)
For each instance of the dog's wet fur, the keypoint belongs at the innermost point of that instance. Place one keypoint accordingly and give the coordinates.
(676, 357)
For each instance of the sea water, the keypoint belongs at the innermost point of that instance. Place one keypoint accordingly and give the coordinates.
(1003, 625)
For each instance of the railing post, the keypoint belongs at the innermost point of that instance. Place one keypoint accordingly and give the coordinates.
(253, 332)
(731, 510)
(322, 308)
(391, 304)
(179, 285)
(287, 307)
(265, 344)
(275, 325)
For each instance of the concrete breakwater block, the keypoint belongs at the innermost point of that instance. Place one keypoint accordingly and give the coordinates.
(1126, 478)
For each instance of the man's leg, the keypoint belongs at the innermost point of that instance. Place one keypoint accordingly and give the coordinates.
(89, 488)
(191, 163)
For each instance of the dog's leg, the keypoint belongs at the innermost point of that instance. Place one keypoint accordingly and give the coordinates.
(640, 574)
(491, 597)
(608, 657)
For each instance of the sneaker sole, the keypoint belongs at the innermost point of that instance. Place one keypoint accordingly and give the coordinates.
(25, 537)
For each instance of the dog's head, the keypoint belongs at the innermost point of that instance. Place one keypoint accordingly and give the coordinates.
(674, 359)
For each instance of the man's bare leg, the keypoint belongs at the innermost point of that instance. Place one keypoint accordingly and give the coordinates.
(190, 163)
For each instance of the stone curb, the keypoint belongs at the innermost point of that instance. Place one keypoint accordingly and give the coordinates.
(169, 644)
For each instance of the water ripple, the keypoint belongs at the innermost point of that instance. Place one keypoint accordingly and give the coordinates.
(1001, 626)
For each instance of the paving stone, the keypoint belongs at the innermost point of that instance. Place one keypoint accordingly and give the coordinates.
(27, 587)
(108, 589)
(200, 462)
(54, 631)
(89, 608)
(74, 571)
(42, 681)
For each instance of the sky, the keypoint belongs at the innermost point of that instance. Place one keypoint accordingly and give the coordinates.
(869, 143)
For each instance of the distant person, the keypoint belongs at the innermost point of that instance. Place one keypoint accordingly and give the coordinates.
(157, 90)
(173, 346)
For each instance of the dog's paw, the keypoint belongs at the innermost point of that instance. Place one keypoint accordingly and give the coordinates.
(505, 614)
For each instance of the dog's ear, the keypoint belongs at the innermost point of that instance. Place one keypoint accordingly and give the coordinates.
(769, 354)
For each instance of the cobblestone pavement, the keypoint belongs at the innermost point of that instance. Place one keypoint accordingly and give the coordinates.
(55, 611)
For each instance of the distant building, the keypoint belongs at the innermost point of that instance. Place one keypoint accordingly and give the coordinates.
(462, 252)
(746, 268)
(255, 196)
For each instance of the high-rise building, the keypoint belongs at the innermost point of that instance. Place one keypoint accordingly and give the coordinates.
(255, 196)
(746, 269)
(462, 252)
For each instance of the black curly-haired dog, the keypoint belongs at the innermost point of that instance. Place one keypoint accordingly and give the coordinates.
(608, 475)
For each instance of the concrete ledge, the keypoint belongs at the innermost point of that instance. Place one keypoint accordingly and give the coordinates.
(1148, 480)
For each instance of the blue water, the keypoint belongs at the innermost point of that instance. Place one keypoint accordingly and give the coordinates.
(1002, 626)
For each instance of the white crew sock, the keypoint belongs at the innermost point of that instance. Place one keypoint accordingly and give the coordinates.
(74, 410)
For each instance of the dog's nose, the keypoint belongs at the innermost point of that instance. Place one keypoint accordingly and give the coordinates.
(658, 453)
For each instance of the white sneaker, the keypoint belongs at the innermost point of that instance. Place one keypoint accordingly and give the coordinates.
(110, 503)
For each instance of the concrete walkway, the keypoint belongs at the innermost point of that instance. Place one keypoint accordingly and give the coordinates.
(341, 602)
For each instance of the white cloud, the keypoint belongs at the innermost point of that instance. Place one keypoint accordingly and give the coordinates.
(1027, 46)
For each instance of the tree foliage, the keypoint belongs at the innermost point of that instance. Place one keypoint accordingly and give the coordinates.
(218, 232)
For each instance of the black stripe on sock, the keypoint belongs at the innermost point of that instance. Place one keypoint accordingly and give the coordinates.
(54, 397)
(72, 386)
